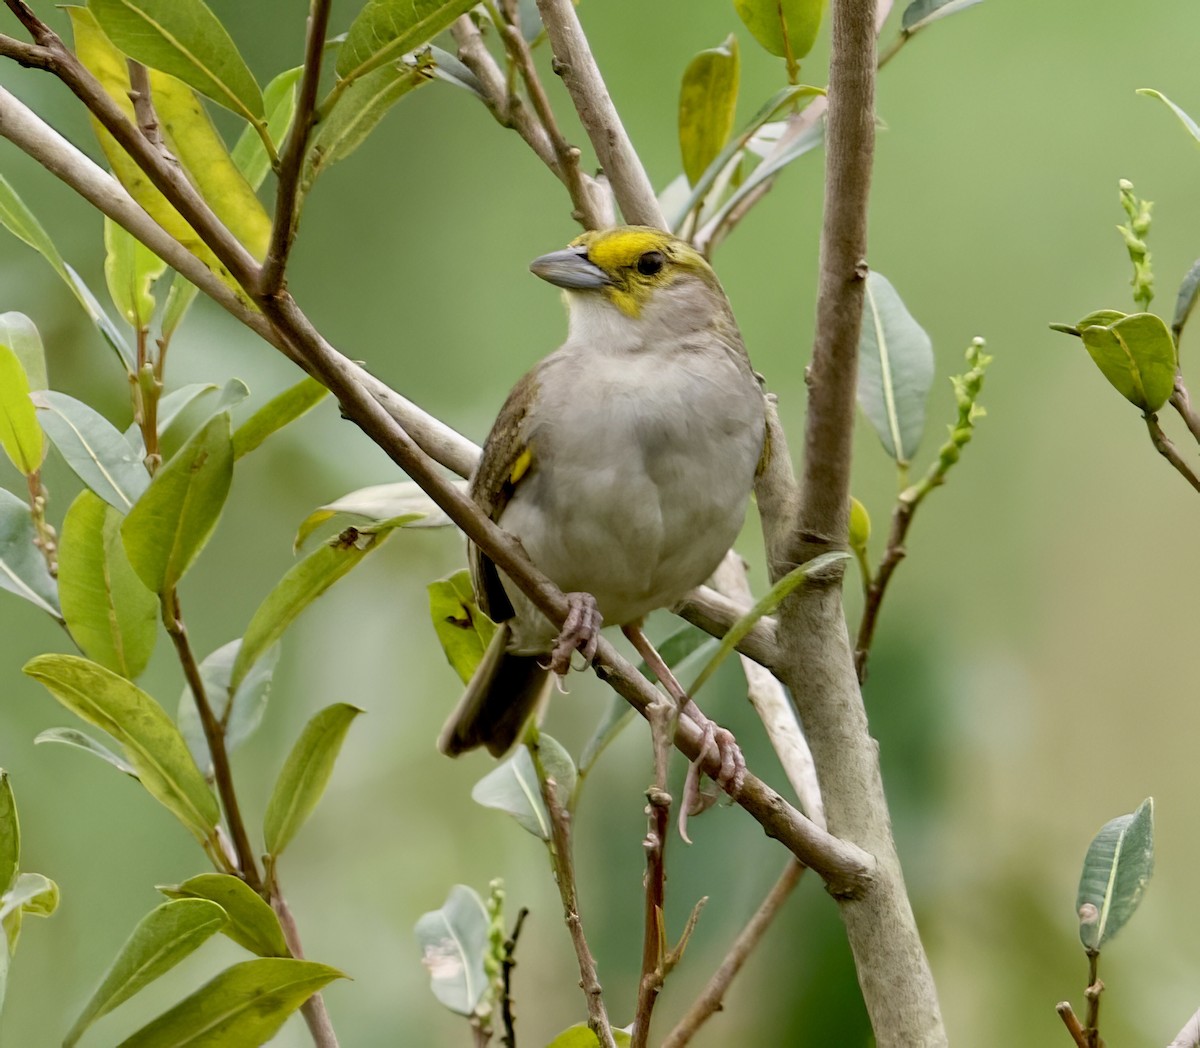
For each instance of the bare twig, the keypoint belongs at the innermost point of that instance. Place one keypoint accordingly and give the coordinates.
(316, 1015)
(1094, 989)
(1166, 447)
(291, 162)
(222, 773)
(563, 862)
(509, 1037)
(1181, 401)
(575, 64)
(1067, 1014)
(709, 1001)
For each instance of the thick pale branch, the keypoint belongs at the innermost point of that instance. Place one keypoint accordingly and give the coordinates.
(714, 613)
(577, 67)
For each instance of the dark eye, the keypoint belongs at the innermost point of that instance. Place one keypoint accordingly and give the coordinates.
(650, 263)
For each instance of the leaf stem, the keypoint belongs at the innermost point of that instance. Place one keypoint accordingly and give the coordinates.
(1094, 989)
(1181, 401)
(172, 618)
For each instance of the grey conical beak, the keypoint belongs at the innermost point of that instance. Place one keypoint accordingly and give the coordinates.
(570, 268)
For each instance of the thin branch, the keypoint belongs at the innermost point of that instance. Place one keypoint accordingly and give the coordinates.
(1067, 1014)
(710, 1000)
(1166, 447)
(658, 817)
(1094, 989)
(291, 163)
(222, 773)
(316, 1015)
(509, 962)
(563, 861)
(1181, 401)
(573, 61)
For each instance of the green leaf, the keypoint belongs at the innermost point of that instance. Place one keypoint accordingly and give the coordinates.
(463, 630)
(920, 13)
(180, 297)
(303, 584)
(1116, 870)
(20, 221)
(399, 505)
(20, 434)
(386, 29)
(359, 110)
(249, 154)
(109, 613)
(1136, 354)
(163, 938)
(10, 833)
(94, 449)
(787, 28)
(895, 369)
(249, 701)
(31, 893)
(447, 67)
(707, 102)
(253, 925)
(454, 942)
(152, 744)
(276, 413)
(581, 1036)
(23, 568)
(1185, 299)
(305, 774)
(80, 740)
(513, 788)
(244, 1005)
(185, 39)
(130, 268)
(172, 521)
(860, 526)
(765, 605)
(20, 334)
(1192, 127)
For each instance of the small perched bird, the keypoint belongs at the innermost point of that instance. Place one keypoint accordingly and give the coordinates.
(623, 463)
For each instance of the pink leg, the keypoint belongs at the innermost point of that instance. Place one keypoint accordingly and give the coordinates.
(580, 630)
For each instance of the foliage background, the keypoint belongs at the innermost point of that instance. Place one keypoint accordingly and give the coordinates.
(1035, 669)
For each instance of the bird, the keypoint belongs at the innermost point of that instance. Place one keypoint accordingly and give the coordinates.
(623, 462)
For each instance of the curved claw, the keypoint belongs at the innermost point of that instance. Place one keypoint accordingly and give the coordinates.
(580, 631)
(717, 742)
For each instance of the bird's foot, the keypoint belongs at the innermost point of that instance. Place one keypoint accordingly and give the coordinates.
(580, 631)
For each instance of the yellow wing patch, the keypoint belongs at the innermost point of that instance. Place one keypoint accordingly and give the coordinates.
(520, 467)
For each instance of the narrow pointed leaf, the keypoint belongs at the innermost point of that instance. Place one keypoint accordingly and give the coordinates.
(513, 787)
(448, 68)
(23, 568)
(244, 1005)
(386, 29)
(895, 369)
(1116, 870)
(151, 742)
(464, 630)
(302, 584)
(276, 413)
(82, 741)
(10, 833)
(454, 942)
(249, 701)
(180, 296)
(249, 154)
(787, 28)
(176, 431)
(1185, 299)
(252, 923)
(1192, 127)
(109, 612)
(20, 434)
(163, 938)
(402, 504)
(1136, 353)
(359, 110)
(20, 334)
(707, 102)
(305, 774)
(130, 268)
(94, 449)
(31, 893)
(172, 521)
(920, 13)
(185, 39)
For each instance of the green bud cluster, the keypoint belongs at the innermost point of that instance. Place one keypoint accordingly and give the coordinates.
(1134, 235)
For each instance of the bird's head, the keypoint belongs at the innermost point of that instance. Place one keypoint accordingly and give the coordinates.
(630, 267)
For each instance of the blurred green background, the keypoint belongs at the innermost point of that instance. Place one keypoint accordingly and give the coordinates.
(1034, 673)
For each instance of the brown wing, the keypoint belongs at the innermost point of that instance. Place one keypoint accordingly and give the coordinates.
(506, 459)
